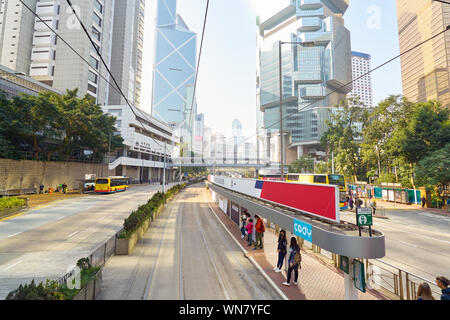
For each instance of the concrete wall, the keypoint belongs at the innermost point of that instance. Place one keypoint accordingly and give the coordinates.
(30, 174)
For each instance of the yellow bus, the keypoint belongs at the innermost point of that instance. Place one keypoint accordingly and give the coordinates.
(111, 184)
(332, 179)
(270, 175)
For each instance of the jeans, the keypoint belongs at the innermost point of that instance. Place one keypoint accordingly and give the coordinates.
(295, 268)
(281, 256)
(259, 241)
(250, 239)
(243, 231)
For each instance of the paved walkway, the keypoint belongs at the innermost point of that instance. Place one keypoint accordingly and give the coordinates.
(317, 279)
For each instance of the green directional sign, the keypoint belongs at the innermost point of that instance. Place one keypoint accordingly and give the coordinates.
(364, 216)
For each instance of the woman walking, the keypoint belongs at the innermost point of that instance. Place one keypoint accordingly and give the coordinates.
(249, 228)
(294, 262)
(282, 250)
(244, 222)
(424, 292)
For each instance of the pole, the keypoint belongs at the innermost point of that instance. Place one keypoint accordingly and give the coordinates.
(164, 171)
(332, 162)
(281, 110)
(351, 292)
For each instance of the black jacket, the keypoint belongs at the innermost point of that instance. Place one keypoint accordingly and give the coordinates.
(282, 244)
(445, 294)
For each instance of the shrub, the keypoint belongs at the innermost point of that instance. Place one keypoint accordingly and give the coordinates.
(11, 202)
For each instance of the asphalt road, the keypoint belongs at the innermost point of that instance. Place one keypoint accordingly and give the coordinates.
(416, 241)
(48, 241)
(185, 255)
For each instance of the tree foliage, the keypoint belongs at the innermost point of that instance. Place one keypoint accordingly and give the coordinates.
(303, 165)
(55, 127)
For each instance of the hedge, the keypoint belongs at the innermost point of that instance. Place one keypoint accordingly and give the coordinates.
(11, 202)
(137, 218)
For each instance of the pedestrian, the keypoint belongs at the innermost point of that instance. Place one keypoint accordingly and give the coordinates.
(244, 222)
(424, 200)
(374, 206)
(350, 202)
(442, 282)
(64, 187)
(41, 189)
(294, 262)
(282, 250)
(249, 228)
(260, 229)
(424, 292)
(358, 203)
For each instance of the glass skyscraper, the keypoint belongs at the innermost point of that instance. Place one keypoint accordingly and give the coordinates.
(310, 71)
(174, 69)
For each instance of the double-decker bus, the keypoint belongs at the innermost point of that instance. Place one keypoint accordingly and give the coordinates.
(333, 179)
(111, 184)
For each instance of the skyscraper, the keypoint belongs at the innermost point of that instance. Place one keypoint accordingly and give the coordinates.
(310, 72)
(16, 34)
(55, 64)
(425, 70)
(126, 55)
(174, 68)
(362, 88)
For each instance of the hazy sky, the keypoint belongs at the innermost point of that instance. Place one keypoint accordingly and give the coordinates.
(226, 80)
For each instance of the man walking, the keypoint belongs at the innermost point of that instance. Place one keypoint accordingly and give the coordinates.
(259, 232)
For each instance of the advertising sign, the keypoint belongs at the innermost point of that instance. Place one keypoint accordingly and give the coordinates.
(343, 264)
(303, 230)
(359, 278)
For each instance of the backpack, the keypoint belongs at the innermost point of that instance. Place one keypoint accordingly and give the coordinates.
(297, 258)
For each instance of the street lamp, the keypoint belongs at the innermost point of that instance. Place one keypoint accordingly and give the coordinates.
(280, 44)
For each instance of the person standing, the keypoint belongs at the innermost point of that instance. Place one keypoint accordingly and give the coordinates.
(41, 189)
(442, 282)
(374, 206)
(424, 292)
(350, 202)
(244, 222)
(64, 187)
(424, 201)
(259, 228)
(282, 250)
(294, 261)
(249, 228)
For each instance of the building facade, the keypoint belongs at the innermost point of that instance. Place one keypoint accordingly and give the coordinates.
(311, 72)
(16, 34)
(362, 86)
(174, 68)
(425, 70)
(147, 142)
(126, 55)
(55, 64)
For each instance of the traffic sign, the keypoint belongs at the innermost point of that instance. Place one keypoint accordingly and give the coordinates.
(364, 216)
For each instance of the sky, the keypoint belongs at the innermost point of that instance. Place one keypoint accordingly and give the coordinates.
(226, 88)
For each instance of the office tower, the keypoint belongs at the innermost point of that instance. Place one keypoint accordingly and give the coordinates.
(425, 70)
(127, 47)
(311, 71)
(174, 68)
(16, 35)
(362, 87)
(199, 135)
(55, 64)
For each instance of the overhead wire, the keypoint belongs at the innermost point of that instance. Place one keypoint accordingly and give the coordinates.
(349, 83)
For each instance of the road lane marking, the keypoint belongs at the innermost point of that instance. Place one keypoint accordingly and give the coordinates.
(13, 265)
(72, 234)
(15, 234)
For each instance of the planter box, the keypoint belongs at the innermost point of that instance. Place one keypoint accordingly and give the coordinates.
(92, 289)
(126, 246)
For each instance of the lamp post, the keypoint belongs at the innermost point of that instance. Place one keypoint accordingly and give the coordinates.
(280, 55)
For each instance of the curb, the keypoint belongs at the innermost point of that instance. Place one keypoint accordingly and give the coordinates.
(263, 273)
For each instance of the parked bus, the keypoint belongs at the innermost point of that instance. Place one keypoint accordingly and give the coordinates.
(333, 179)
(111, 184)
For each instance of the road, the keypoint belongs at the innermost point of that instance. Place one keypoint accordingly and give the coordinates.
(46, 242)
(416, 241)
(186, 255)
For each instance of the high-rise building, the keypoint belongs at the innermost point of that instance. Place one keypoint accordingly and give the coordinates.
(425, 70)
(127, 47)
(55, 64)
(174, 68)
(16, 35)
(311, 71)
(362, 87)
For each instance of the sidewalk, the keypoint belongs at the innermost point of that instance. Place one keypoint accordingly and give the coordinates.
(317, 280)
(393, 205)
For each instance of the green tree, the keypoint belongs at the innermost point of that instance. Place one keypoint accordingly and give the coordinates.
(303, 165)
(343, 136)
